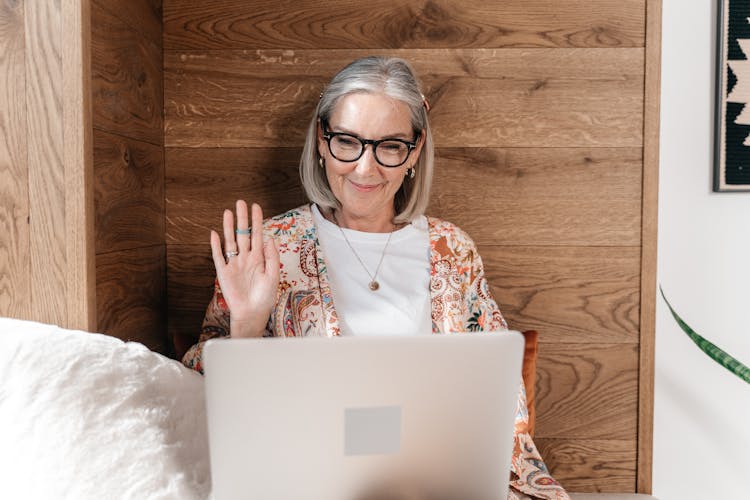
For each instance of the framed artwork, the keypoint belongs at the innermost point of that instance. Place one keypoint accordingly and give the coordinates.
(732, 136)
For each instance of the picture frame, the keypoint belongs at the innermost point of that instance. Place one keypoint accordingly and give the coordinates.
(732, 113)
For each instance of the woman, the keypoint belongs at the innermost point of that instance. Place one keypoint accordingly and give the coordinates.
(363, 244)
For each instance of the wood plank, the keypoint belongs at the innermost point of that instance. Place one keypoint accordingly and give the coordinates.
(649, 238)
(78, 160)
(201, 183)
(218, 24)
(47, 242)
(545, 196)
(127, 82)
(128, 193)
(15, 283)
(606, 466)
(507, 197)
(581, 301)
(571, 295)
(500, 98)
(190, 280)
(144, 16)
(430, 64)
(587, 391)
(131, 292)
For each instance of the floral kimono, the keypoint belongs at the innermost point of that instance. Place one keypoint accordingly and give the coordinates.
(460, 301)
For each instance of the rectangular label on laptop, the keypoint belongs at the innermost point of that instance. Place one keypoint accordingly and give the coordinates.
(372, 431)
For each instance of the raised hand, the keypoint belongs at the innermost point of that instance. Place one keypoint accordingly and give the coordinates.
(248, 271)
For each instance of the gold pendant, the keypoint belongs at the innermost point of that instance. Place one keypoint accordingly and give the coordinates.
(374, 285)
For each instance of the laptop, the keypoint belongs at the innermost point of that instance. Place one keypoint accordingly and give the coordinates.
(363, 418)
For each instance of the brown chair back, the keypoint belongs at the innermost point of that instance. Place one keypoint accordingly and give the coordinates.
(531, 350)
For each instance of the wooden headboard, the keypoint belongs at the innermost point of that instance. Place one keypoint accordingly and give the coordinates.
(545, 117)
(538, 117)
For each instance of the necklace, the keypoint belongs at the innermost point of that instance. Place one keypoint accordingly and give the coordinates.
(374, 285)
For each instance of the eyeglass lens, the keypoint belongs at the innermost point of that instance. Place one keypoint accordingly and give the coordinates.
(349, 148)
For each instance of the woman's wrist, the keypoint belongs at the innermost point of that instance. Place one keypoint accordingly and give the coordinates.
(245, 329)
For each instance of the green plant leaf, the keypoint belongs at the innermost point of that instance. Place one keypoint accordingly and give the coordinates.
(713, 351)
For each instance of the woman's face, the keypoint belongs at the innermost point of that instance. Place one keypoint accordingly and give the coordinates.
(366, 189)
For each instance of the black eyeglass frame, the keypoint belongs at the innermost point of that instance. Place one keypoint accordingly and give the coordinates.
(328, 136)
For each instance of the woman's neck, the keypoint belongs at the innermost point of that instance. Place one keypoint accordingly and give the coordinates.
(377, 224)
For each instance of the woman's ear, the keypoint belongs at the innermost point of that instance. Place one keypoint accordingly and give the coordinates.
(418, 147)
(320, 140)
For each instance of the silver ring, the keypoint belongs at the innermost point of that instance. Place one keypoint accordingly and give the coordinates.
(242, 231)
(231, 254)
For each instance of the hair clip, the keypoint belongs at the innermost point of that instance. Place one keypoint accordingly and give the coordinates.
(425, 103)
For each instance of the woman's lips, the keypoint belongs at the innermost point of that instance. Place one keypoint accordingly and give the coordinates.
(365, 188)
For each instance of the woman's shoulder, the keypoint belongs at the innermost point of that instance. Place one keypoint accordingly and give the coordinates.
(293, 223)
(448, 241)
(441, 229)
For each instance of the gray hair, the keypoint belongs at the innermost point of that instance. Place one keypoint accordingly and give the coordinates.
(395, 78)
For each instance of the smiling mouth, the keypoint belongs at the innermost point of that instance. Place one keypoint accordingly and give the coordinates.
(365, 188)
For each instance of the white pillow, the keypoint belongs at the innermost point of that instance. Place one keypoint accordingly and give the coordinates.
(85, 415)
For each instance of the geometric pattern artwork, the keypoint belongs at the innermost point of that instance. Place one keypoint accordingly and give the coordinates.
(732, 141)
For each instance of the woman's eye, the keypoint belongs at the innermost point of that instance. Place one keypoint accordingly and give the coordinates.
(392, 147)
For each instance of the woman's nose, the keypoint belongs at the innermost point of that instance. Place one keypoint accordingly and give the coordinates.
(367, 161)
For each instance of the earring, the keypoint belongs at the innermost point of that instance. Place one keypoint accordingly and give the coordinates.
(321, 162)
(411, 172)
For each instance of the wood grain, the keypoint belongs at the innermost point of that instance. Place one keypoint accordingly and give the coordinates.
(15, 283)
(648, 254)
(128, 193)
(507, 197)
(131, 295)
(129, 190)
(591, 465)
(587, 391)
(201, 183)
(144, 16)
(78, 159)
(221, 24)
(544, 196)
(190, 280)
(126, 85)
(571, 295)
(47, 242)
(480, 98)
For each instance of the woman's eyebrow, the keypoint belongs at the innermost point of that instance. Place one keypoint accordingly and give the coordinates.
(344, 130)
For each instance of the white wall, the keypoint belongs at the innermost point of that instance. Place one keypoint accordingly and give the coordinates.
(702, 411)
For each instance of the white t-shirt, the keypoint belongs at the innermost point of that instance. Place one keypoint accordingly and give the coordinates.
(401, 306)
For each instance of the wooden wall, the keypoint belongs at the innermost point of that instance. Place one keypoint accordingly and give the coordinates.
(545, 116)
(46, 264)
(538, 115)
(128, 150)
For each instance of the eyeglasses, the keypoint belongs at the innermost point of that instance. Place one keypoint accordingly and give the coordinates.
(388, 152)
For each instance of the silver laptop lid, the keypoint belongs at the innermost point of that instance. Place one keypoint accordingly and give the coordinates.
(428, 417)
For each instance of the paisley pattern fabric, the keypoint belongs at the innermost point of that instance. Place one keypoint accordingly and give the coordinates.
(460, 301)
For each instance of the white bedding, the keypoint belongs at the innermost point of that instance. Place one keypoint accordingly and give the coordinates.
(88, 416)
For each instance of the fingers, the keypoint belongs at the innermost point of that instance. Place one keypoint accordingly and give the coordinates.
(243, 242)
(257, 236)
(218, 257)
(243, 239)
(229, 243)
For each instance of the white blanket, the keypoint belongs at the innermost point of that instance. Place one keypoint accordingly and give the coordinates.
(88, 416)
